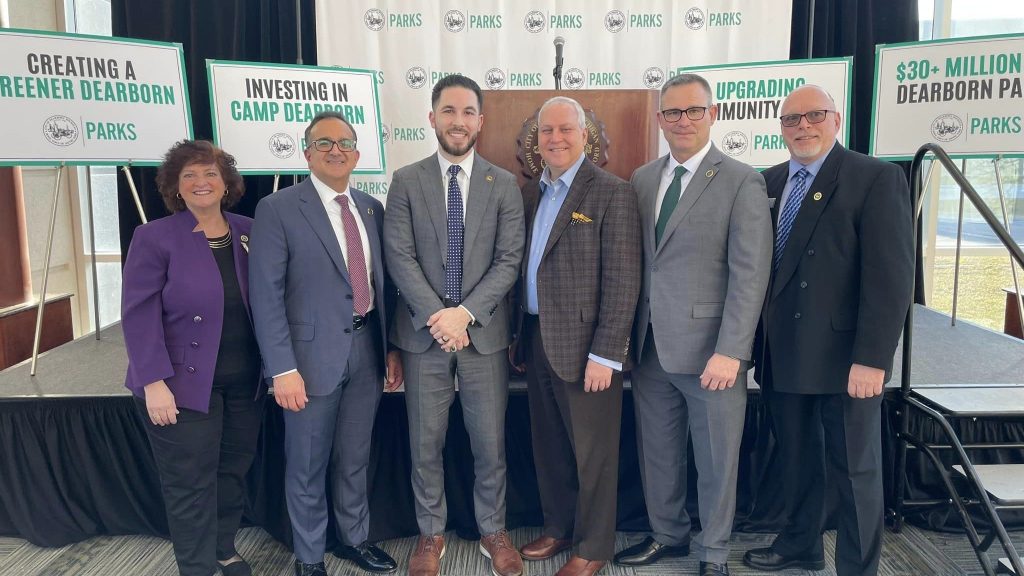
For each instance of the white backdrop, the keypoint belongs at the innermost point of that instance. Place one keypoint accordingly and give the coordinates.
(507, 45)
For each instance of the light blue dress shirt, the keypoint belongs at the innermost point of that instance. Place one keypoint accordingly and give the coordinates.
(794, 166)
(552, 196)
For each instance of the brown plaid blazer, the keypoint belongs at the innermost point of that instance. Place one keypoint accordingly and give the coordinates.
(589, 279)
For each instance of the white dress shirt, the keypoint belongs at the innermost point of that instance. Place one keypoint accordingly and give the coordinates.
(327, 196)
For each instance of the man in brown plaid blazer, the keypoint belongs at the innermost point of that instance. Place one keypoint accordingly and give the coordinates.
(580, 283)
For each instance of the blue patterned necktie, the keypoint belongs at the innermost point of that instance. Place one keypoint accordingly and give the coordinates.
(456, 230)
(789, 211)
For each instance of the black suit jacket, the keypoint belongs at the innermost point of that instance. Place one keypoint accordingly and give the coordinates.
(841, 292)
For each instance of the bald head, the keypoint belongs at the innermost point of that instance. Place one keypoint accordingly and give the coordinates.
(813, 133)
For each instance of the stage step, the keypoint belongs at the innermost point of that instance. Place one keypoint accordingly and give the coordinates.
(1003, 482)
(976, 401)
(1005, 567)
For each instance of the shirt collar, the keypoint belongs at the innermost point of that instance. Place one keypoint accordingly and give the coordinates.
(466, 165)
(692, 163)
(567, 177)
(812, 168)
(326, 193)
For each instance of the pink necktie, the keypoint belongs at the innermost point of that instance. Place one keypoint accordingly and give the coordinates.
(356, 259)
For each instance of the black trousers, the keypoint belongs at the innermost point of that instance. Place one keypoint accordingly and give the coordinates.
(831, 440)
(202, 461)
(576, 452)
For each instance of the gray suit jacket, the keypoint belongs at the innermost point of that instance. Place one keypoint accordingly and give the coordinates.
(299, 286)
(704, 285)
(416, 248)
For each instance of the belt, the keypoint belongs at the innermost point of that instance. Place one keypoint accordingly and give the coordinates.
(360, 322)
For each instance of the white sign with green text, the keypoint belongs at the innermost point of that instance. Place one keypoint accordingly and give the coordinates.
(260, 113)
(749, 99)
(90, 100)
(966, 95)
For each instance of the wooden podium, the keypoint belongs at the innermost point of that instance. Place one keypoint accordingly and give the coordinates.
(626, 118)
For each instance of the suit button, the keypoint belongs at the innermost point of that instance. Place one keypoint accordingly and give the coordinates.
(191, 369)
(348, 330)
(197, 319)
(194, 344)
(810, 252)
(654, 268)
(797, 315)
(803, 284)
(348, 296)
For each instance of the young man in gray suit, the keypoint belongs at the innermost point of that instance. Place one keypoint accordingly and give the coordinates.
(707, 258)
(453, 238)
(317, 287)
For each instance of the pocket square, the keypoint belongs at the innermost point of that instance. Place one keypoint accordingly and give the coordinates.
(577, 217)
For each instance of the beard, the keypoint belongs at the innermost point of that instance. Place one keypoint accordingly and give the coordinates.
(452, 149)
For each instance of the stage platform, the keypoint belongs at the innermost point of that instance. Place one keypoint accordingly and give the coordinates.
(75, 463)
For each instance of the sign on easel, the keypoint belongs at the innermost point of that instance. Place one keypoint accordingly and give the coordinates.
(90, 100)
(966, 95)
(749, 98)
(260, 113)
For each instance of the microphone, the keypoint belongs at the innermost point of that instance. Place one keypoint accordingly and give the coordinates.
(557, 72)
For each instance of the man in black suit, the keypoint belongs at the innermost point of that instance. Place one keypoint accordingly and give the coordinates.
(842, 276)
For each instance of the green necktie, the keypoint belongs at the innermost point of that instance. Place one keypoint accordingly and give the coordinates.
(668, 204)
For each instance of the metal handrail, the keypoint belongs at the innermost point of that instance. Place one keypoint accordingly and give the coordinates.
(1017, 256)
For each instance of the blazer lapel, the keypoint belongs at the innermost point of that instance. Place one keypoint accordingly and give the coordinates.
(241, 255)
(372, 234)
(480, 186)
(775, 181)
(824, 184)
(698, 183)
(434, 198)
(577, 192)
(648, 186)
(315, 213)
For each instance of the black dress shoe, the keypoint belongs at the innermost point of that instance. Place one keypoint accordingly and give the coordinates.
(238, 568)
(648, 552)
(767, 559)
(368, 557)
(713, 569)
(303, 569)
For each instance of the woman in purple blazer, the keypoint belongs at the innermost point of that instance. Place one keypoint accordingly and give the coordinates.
(193, 362)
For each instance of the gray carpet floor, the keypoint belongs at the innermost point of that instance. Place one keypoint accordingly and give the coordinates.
(913, 552)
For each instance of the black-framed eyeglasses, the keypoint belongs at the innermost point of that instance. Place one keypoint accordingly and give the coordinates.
(693, 113)
(326, 144)
(813, 117)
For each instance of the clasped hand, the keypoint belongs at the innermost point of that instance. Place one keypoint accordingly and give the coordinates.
(448, 328)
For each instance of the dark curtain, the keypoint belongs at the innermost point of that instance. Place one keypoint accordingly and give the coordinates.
(245, 30)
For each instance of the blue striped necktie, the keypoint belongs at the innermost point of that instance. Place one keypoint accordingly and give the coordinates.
(456, 230)
(789, 211)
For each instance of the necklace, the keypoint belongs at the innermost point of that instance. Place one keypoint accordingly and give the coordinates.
(220, 242)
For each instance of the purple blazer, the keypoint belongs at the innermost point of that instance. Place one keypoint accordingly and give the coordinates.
(172, 306)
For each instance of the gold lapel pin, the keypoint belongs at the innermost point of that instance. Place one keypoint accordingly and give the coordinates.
(817, 196)
(709, 173)
(243, 238)
(369, 211)
(490, 178)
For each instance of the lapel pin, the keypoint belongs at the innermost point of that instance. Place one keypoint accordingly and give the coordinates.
(369, 211)
(710, 173)
(817, 196)
(243, 238)
(490, 178)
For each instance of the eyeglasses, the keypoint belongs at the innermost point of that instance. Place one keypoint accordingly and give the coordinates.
(693, 113)
(326, 144)
(813, 117)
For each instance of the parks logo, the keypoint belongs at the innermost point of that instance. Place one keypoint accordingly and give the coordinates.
(454, 21)
(614, 21)
(694, 18)
(574, 78)
(495, 79)
(60, 130)
(735, 143)
(385, 133)
(947, 127)
(416, 77)
(374, 19)
(653, 77)
(534, 21)
(281, 145)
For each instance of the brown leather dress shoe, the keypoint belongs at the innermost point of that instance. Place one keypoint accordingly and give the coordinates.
(505, 559)
(577, 566)
(544, 547)
(425, 560)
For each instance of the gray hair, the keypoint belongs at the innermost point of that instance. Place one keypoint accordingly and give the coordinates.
(686, 80)
(580, 116)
